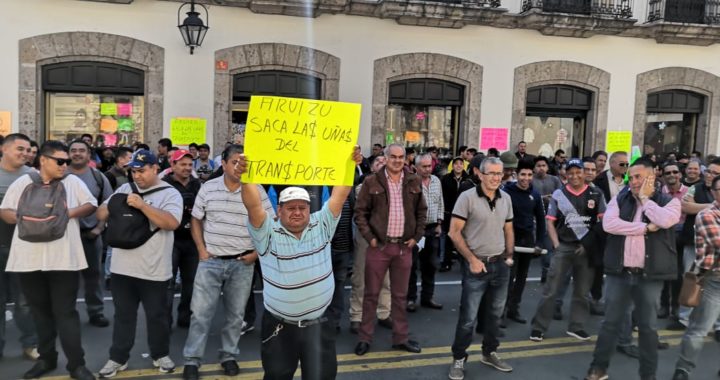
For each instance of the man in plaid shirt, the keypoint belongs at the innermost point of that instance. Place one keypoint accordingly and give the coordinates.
(707, 249)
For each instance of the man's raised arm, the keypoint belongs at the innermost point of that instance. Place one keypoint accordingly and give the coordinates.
(340, 193)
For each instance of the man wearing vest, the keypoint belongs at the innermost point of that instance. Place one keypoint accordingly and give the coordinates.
(48, 271)
(295, 255)
(227, 262)
(90, 230)
(699, 197)
(185, 254)
(639, 256)
(140, 275)
(572, 213)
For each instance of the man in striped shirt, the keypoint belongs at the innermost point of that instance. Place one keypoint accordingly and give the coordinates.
(227, 262)
(295, 255)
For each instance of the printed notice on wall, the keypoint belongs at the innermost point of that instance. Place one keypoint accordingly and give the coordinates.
(494, 138)
(618, 141)
(300, 141)
(5, 123)
(187, 130)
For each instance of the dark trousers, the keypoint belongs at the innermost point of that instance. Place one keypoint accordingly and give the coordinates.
(250, 308)
(449, 247)
(519, 271)
(51, 296)
(313, 346)
(185, 260)
(397, 258)
(428, 260)
(597, 284)
(93, 275)
(128, 292)
(340, 262)
(669, 298)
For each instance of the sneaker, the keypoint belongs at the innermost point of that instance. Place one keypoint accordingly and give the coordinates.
(579, 334)
(680, 375)
(164, 364)
(536, 336)
(111, 369)
(246, 328)
(31, 353)
(596, 374)
(493, 360)
(457, 371)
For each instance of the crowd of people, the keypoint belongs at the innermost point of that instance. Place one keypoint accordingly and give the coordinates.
(174, 218)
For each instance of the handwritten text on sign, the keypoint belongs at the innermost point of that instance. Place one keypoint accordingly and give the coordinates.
(618, 141)
(185, 131)
(494, 138)
(300, 141)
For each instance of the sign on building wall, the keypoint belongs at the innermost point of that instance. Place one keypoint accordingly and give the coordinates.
(300, 141)
(618, 141)
(494, 138)
(5, 123)
(187, 130)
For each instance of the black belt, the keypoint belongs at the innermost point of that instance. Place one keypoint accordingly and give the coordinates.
(489, 259)
(232, 257)
(633, 270)
(393, 240)
(301, 323)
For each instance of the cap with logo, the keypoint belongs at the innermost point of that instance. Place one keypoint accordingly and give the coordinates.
(293, 193)
(141, 158)
(574, 163)
(179, 154)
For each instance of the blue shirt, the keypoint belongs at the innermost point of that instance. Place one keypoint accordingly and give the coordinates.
(297, 273)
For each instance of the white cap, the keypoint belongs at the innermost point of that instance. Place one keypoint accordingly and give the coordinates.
(293, 193)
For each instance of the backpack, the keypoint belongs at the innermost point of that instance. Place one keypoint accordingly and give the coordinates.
(128, 227)
(42, 212)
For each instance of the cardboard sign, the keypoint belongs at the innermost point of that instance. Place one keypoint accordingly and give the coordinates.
(300, 142)
(185, 131)
(494, 138)
(108, 109)
(618, 141)
(5, 123)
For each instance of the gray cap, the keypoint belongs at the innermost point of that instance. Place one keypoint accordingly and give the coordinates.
(509, 160)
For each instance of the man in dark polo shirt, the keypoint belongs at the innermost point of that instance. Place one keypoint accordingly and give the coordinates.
(572, 213)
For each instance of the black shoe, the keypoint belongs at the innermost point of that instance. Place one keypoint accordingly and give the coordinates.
(557, 314)
(355, 327)
(663, 313)
(191, 372)
(362, 348)
(183, 323)
(82, 373)
(409, 346)
(681, 375)
(516, 317)
(500, 333)
(40, 368)
(99, 320)
(386, 323)
(663, 345)
(445, 268)
(631, 351)
(411, 306)
(431, 305)
(717, 335)
(503, 323)
(230, 368)
(676, 326)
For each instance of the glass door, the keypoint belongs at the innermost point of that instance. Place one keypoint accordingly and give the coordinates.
(545, 134)
(670, 132)
(421, 126)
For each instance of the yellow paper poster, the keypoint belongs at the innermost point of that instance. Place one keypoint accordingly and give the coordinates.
(108, 109)
(185, 131)
(301, 141)
(5, 123)
(618, 141)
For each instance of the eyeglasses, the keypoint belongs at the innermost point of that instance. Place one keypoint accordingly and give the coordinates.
(623, 164)
(494, 174)
(714, 174)
(672, 172)
(59, 161)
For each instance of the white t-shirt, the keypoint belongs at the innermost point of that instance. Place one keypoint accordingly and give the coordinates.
(153, 260)
(65, 253)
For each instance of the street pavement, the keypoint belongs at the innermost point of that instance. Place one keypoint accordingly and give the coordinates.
(557, 357)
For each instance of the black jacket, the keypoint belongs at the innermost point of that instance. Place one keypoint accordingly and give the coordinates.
(602, 183)
(450, 192)
(660, 250)
(188, 193)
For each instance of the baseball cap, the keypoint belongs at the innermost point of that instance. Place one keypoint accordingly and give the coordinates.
(141, 158)
(293, 193)
(574, 163)
(457, 159)
(178, 154)
(509, 160)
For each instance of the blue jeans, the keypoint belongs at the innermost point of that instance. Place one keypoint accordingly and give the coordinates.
(622, 291)
(702, 319)
(10, 286)
(234, 279)
(495, 283)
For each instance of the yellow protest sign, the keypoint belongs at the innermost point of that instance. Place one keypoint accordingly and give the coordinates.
(618, 141)
(300, 141)
(5, 123)
(185, 130)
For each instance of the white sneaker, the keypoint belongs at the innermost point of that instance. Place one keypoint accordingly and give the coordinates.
(457, 371)
(164, 364)
(111, 369)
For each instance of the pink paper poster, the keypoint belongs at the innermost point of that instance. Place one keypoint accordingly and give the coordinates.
(494, 138)
(124, 109)
(110, 139)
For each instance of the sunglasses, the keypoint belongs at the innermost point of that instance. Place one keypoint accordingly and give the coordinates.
(623, 164)
(672, 172)
(59, 161)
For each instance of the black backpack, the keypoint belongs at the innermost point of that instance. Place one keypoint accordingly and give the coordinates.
(128, 227)
(42, 213)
